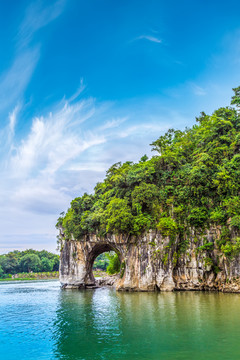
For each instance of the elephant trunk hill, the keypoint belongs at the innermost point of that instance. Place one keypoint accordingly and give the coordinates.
(173, 220)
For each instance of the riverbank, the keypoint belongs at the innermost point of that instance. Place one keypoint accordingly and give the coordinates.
(26, 279)
(54, 275)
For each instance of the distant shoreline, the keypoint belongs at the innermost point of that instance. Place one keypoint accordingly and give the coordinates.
(44, 277)
(51, 275)
(27, 279)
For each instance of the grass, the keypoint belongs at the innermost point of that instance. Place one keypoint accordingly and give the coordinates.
(99, 273)
(28, 279)
(46, 276)
(33, 276)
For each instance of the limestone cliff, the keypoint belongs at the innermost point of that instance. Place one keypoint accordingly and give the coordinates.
(152, 262)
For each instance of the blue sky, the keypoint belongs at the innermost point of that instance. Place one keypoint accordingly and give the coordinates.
(85, 84)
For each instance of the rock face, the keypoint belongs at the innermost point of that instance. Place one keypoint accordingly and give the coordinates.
(107, 280)
(151, 262)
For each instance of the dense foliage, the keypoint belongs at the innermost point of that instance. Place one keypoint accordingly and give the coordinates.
(108, 261)
(194, 181)
(114, 265)
(26, 261)
(101, 262)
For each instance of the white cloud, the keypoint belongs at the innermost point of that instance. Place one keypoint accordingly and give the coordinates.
(63, 154)
(54, 140)
(14, 80)
(13, 119)
(40, 196)
(198, 90)
(149, 38)
(61, 144)
(98, 167)
(79, 91)
(113, 123)
(37, 15)
(143, 129)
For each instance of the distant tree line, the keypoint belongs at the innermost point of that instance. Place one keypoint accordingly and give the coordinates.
(28, 261)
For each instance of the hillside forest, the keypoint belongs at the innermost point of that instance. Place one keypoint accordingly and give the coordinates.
(191, 181)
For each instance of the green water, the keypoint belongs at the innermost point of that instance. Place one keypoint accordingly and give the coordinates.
(39, 321)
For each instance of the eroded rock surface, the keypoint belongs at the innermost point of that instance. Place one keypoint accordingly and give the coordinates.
(107, 280)
(152, 262)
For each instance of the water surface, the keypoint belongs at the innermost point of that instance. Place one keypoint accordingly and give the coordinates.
(40, 321)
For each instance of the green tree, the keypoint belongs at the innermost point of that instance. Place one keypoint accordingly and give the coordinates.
(118, 216)
(9, 263)
(1, 271)
(46, 264)
(236, 97)
(114, 264)
(101, 262)
(55, 263)
(30, 262)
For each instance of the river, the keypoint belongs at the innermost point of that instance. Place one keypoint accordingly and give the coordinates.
(38, 320)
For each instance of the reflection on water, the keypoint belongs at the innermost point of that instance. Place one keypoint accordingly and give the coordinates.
(88, 324)
(39, 321)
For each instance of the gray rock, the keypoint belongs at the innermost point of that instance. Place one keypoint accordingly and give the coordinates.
(151, 262)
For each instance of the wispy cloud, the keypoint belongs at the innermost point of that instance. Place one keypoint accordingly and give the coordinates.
(13, 119)
(37, 15)
(149, 38)
(143, 129)
(61, 143)
(113, 123)
(16, 200)
(38, 181)
(15, 79)
(79, 91)
(55, 139)
(198, 90)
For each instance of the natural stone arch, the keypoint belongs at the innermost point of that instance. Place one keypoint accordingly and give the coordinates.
(143, 266)
(149, 262)
(98, 249)
(77, 257)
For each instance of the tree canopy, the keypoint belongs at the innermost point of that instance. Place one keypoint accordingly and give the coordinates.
(27, 261)
(193, 181)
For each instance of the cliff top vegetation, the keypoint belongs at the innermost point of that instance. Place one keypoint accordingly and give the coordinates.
(192, 182)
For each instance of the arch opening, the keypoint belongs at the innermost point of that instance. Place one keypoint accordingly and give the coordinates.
(110, 259)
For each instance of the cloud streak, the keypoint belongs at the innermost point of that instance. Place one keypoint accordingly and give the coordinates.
(149, 38)
(13, 119)
(53, 140)
(15, 79)
(37, 15)
(198, 90)
(60, 144)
